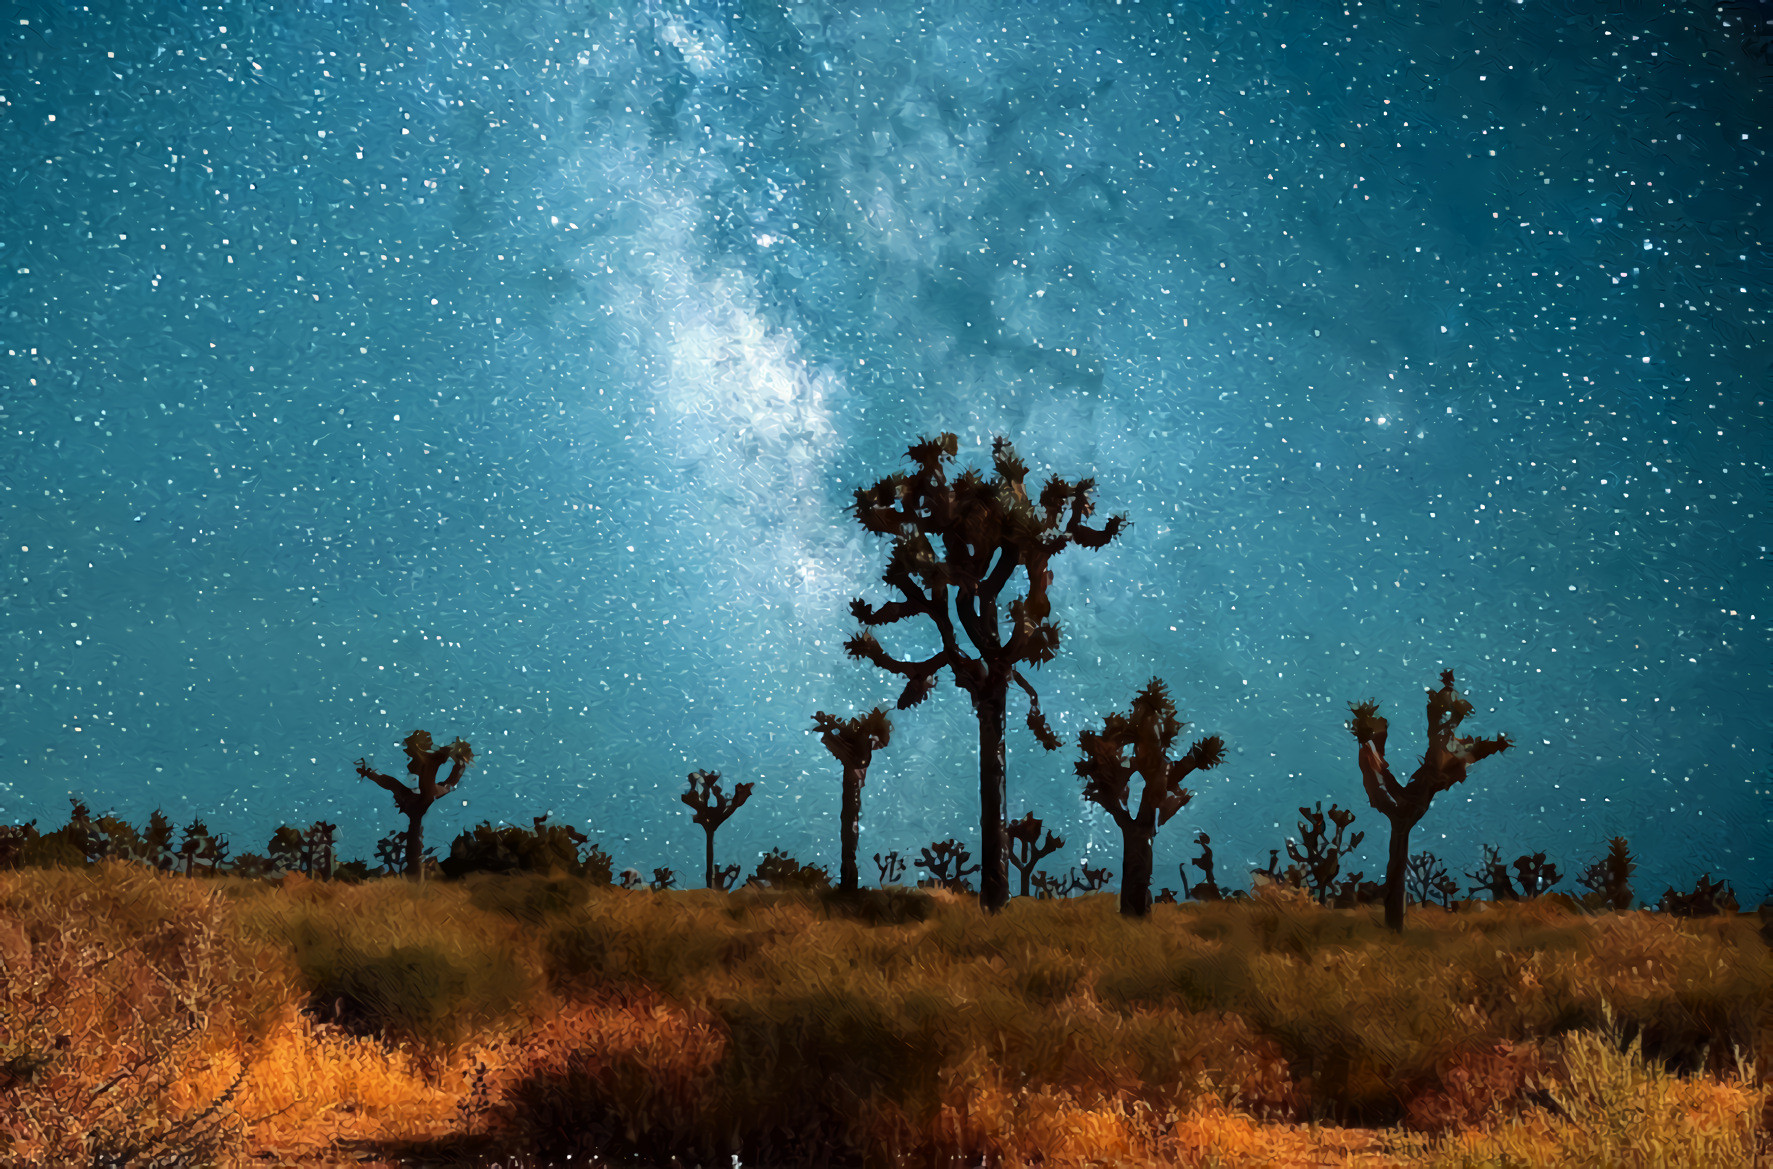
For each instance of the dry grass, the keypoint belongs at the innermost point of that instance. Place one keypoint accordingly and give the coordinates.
(156, 1021)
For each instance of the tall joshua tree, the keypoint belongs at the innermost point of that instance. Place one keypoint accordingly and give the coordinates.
(987, 531)
(1148, 730)
(423, 763)
(705, 786)
(854, 741)
(1443, 765)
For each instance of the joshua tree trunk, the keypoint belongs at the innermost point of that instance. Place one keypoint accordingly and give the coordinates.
(994, 876)
(708, 831)
(1135, 877)
(851, 829)
(1397, 868)
(415, 844)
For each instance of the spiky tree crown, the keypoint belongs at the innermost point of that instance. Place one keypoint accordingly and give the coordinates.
(975, 521)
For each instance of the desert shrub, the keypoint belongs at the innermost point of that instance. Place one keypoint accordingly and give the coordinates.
(416, 991)
(527, 897)
(623, 945)
(119, 987)
(508, 848)
(888, 906)
(1045, 979)
(784, 872)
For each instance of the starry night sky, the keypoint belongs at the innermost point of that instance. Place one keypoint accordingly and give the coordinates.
(506, 369)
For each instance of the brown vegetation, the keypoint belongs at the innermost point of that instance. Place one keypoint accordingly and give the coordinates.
(154, 1020)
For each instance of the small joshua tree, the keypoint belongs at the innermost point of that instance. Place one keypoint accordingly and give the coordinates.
(663, 879)
(892, 867)
(391, 852)
(85, 835)
(1609, 879)
(317, 850)
(967, 539)
(1024, 852)
(1206, 889)
(196, 833)
(423, 763)
(1443, 765)
(215, 851)
(1423, 876)
(1107, 769)
(1094, 879)
(946, 861)
(285, 849)
(1535, 874)
(1321, 858)
(712, 810)
(854, 741)
(1491, 876)
(1048, 886)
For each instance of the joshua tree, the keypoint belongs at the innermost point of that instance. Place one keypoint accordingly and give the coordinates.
(423, 763)
(391, 851)
(1492, 877)
(1609, 878)
(987, 531)
(285, 849)
(1321, 858)
(1535, 874)
(1443, 765)
(892, 867)
(1094, 879)
(196, 833)
(1207, 889)
(317, 849)
(1423, 877)
(84, 835)
(663, 879)
(1024, 852)
(705, 786)
(947, 862)
(854, 741)
(157, 842)
(215, 851)
(1147, 731)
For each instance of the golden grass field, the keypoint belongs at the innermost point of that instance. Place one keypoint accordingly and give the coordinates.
(155, 1020)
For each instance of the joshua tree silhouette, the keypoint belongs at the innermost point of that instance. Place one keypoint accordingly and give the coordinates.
(1443, 765)
(705, 787)
(854, 741)
(423, 763)
(1148, 730)
(987, 531)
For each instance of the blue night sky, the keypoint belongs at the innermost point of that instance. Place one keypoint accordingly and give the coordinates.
(506, 369)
